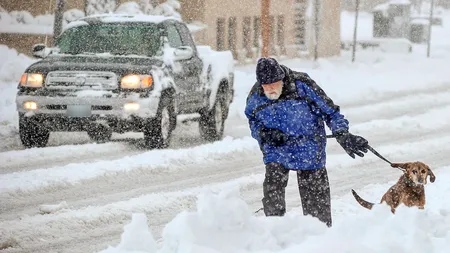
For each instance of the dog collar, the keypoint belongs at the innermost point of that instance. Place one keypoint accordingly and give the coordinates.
(409, 182)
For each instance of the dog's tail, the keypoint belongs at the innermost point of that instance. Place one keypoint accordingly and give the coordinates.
(361, 201)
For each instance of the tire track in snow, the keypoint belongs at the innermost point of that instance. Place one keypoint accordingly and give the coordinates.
(73, 173)
(395, 105)
(54, 156)
(17, 161)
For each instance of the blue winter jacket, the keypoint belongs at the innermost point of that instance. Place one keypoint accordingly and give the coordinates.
(300, 112)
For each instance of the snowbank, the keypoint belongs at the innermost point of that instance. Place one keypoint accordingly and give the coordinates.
(24, 22)
(149, 162)
(12, 65)
(365, 26)
(223, 223)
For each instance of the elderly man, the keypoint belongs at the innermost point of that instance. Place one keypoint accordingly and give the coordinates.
(287, 113)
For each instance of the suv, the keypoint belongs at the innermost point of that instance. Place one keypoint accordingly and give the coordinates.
(119, 73)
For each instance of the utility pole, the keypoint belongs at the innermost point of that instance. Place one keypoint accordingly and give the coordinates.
(58, 22)
(355, 32)
(316, 29)
(429, 28)
(265, 27)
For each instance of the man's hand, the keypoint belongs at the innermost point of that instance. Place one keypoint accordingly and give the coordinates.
(272, 136)
(352, 144)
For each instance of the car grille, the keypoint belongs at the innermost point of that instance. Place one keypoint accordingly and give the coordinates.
(81, 80)
(93, 107)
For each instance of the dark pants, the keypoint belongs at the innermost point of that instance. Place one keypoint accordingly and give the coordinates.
(313, 186)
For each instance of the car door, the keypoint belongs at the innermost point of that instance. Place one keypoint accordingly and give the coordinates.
(194, 64)
(184, 74)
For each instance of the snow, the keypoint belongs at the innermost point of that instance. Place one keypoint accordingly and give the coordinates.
(365, 25)
(93, 93)
(223, 222)
(217, 67)
(117, 18)
(46, 209)
(136, 236)
(12, 65)
(385, 6)
(155, 162)
(24, 22)
(74, 24)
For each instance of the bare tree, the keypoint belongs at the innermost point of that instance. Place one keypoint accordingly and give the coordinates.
(59, 14)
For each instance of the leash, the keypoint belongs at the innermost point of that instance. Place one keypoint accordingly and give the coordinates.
(368, 147)
(378, 154)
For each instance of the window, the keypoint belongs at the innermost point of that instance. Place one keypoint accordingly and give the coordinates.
(256, 32)
(173, 36)
(280, 35)
(300, 22)
(272, 25)
(186, 36)
(220, 34)
(247, 37)
(113, 39)
(232, 26)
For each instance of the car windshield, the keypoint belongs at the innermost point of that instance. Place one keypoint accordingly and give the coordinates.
(122, 39)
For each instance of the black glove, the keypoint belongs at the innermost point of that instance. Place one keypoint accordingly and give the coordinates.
(272, 136)
(352, 144)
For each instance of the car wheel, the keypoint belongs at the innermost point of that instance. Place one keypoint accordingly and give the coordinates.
(31, 135)
(212, 122)
(158, 131)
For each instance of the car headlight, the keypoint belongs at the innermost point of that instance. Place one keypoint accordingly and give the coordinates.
(34, 80)
(136, 81)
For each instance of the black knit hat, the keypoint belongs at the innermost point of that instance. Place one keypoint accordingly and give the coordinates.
(268, 71)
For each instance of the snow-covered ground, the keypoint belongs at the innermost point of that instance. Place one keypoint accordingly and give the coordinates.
(75, 196)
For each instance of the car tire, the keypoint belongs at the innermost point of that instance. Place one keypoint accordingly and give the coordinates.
(212, 122)
(158, 130)
(99, 133)
(31, 135)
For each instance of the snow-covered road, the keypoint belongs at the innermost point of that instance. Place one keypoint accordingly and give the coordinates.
(102, 184)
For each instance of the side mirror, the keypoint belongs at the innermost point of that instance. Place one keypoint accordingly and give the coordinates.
(183, 53)
(40, 51)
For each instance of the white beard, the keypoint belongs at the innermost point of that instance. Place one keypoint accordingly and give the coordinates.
(274, 96)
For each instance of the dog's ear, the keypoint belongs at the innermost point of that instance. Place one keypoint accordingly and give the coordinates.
(431, 174)
(402, 166)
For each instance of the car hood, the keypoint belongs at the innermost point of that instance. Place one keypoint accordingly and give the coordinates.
(118, 64)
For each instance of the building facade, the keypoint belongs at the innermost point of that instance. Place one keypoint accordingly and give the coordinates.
(236, 25)
(229, 25)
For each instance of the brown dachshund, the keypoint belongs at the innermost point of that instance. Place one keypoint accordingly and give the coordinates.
(409, 189)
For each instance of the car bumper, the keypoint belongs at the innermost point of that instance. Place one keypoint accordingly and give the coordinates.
(89, 107)
(78, 114)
